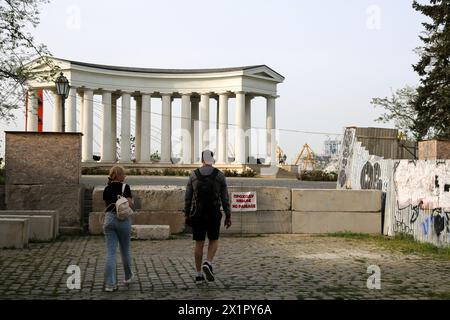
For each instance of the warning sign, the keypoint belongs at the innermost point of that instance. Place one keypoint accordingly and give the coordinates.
(243, 201)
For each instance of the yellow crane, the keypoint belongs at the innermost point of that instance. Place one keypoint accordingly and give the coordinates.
(306, 157)
(281, 157)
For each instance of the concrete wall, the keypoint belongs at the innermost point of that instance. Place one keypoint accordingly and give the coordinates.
(417, 193)
(43, 172)
(280, 210)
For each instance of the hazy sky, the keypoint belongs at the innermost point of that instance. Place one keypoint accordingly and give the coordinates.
(335, 55)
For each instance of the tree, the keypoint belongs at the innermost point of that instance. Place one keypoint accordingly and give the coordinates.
(400, 110)
(17, 49)
(432, 102)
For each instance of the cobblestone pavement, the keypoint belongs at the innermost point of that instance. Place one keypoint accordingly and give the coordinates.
(263, 267)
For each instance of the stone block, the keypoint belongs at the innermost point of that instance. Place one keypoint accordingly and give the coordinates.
(174, 219)
(53, 213)
(42, 158)
(67, 200)
(14, 233)
(149, 198)
(236, 224)
(150, 232)
(265, 222)
(41, 227)
(330, 222)
(315, 200)
(434, 149)
(268, 198)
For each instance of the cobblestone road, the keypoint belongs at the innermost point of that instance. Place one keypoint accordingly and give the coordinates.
(266, 267)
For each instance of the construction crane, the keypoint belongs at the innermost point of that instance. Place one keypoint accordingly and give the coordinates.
(306, 157)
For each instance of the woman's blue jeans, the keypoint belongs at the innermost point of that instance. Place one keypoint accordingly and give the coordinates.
(117, 231)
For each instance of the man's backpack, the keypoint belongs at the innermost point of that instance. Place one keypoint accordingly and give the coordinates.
(206, 194)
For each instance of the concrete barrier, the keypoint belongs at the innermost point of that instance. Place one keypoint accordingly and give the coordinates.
(315, 200)
(150, 232)
(14, 233)
(268, 198)
(174, 219)
(41, 227)
(53, 213)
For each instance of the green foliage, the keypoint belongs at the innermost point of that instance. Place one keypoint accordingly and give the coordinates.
(432, 103)
(155, 156)
(174, 172)
(318, 175)
(248, 173)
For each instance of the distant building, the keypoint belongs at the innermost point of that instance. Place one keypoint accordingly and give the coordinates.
(332, 148)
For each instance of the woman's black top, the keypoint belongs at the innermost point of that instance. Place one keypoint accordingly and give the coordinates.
(112, 191)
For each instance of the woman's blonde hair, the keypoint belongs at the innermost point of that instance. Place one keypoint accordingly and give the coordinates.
(115, 173)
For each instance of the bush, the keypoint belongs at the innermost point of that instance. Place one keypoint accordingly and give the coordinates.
(245, 174)
(318, 175)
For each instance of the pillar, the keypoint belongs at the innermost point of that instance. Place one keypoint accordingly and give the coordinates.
(71, 114)
(239, 144)
(204, 122)
(32, 112)
(138, 128)
(186, 128)
(145, 128)
(166, 128)
(125, 132)
(248, 126)
(87, 125)
(113, 155)
(195, 127)
(222, 154)
(270, 125)
(106, 153)
(57, 112)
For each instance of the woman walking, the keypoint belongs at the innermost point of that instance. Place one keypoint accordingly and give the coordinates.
(115, 230)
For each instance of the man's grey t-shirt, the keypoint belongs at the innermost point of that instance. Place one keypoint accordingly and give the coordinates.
(221, 185)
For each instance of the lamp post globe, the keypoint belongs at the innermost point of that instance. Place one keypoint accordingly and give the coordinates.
(62, 89)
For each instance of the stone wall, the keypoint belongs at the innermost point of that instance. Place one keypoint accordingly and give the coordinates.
(43, 171)
(280, 210)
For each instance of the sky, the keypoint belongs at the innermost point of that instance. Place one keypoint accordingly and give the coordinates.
(335, 55)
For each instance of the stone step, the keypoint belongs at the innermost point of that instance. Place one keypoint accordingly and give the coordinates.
(41, 227)
(150, 232)
(14, 233)
(53, 213)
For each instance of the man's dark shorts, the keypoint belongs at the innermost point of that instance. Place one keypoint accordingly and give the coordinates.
(210, 227)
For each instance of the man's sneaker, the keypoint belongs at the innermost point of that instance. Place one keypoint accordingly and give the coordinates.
(127, 282)
(111, 288)
(208, 271)
(199, 279)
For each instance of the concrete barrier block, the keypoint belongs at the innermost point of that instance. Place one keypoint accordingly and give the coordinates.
(329, 222)
(14, 233)
(315, 200)
(174, 219)
(267, 222)
(150, 232)
(236, 224)
(41, 227)
(268, 198)
(149, 198)
(53, 213)
(66, 199)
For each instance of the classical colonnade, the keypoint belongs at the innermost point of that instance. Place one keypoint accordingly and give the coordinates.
(143, 85)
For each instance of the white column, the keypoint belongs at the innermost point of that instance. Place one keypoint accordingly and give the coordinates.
(88, 125)
(239, 142)
(204, 122)
(32, 114)
(114, 127)
(248, 126)
(106, 154)
(222, 154)
(195, 129)
(145, 128)
(186, 128)
(125, 134)
(71, 114)
(270, 125)
(166, 128)
(217, 127)
(57, 112)
(138, 128)
(81, 96)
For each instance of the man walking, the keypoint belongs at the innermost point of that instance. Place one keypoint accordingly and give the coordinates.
(205, 192)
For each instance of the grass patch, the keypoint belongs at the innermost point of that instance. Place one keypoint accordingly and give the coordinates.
(401, 243)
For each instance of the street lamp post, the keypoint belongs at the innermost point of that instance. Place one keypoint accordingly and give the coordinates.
(62, 89)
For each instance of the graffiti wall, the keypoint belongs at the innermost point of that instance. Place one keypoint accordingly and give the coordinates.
(416, 193)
